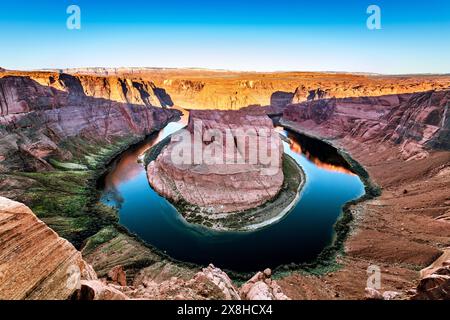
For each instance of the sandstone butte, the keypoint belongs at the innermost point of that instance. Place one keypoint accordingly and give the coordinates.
(396, 127)
(226, 187)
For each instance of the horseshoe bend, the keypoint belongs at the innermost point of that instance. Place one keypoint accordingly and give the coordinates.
(238, 170)
(383, 158)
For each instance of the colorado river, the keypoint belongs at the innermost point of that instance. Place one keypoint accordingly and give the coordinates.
(299, 237)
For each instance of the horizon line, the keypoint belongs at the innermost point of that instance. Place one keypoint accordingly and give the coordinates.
(64, 70)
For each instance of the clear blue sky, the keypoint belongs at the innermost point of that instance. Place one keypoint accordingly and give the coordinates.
(234, 34)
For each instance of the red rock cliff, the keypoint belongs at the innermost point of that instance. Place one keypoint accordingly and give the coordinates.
(36, 120)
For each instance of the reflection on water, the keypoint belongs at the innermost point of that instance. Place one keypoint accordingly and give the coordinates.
(130, 163)
(320, 153)
(300, 236)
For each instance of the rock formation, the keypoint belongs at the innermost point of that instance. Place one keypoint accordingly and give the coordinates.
(435, 281)
(225, 185)
(98, 290)
(38, 121)
(399, 141)
(262, 287)
(35, 263)
(413, 121)
(219, 89)
(209, 283)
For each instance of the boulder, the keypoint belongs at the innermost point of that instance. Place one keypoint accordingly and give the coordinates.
(118, 275)
(262, 287)
(97, 290)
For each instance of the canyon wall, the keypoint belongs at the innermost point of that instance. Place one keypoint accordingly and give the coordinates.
(402, 142)
(42, 117)
(221, 89)
(415, 122)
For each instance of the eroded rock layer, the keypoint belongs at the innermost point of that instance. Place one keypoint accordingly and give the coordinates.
(41, 121)
(398, 140)
(221, 89)
(413, 121)
(35, 263)
(232, 182)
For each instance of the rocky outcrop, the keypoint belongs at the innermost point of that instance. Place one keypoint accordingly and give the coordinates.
(35, 263)
(210, 283)
(98, 290)
(435, 286)
(118, 275)
(114, 88)
(227, 179)
(262, 287)
(413, 121)
(303, 93)
(38, 122)
(435, 280)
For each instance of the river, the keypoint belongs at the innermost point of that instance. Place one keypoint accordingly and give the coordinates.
(299, 237)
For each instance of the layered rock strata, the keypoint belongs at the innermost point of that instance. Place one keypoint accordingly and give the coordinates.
(221, 89)
(35, 263)
(405, 228)
(233, 182)
(415, 122)
(38, 122)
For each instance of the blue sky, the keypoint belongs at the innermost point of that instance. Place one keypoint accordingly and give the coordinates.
(240, 35)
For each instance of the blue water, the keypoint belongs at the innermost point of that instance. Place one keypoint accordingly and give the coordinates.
(299, 237)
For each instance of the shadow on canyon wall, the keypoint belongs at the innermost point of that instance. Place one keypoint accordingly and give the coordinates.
(39, 121)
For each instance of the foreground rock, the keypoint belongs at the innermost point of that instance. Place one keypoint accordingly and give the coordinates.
(210, 283)
(35, 263)
(435, 282)
(223, 186)
(98, 290)
(262, 287)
